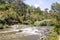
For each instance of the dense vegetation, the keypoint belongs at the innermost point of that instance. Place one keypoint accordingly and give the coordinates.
(16, 11)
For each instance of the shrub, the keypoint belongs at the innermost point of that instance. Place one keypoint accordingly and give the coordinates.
(52, 36)
(40, 23)
(27, 22)
(4, 6)
(57, 29)
(1, 26)
(49, 23)
(43, 23)
(6, 26)
(37, 23)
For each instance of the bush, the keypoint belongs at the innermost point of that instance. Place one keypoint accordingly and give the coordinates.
(57, 29)
(6, 26)
(27, 22)
(4, 6)
(52, 36)
(43, 23)
(49, 23)
(1, 26)
(39, 23)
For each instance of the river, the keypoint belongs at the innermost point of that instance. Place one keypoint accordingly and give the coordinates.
(27, 33)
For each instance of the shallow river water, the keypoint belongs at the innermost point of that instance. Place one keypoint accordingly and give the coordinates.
(35, 33)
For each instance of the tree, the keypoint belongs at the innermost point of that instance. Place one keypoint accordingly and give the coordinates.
(56, 16)
(55, 7)
(2, 2)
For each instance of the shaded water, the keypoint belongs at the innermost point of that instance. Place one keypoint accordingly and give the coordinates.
(43, 32)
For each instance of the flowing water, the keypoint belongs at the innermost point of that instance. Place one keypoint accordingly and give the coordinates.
(30, 33)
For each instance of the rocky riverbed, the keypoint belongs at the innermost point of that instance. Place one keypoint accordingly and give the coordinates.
(28, 33)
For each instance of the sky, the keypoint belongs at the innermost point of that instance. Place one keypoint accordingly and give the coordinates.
(41, 3)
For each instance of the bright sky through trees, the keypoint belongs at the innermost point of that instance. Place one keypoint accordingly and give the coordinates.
(41, 3)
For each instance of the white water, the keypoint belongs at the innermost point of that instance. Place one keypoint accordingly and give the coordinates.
(30, 31)
(27, 33)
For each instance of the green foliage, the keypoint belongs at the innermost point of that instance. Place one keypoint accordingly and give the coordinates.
(27, 22)
(56, 7)
(4, 7)
(1, 26)
(52, 36)
(43, 23)
(57, 29)
(35, 17)
(37, 23)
